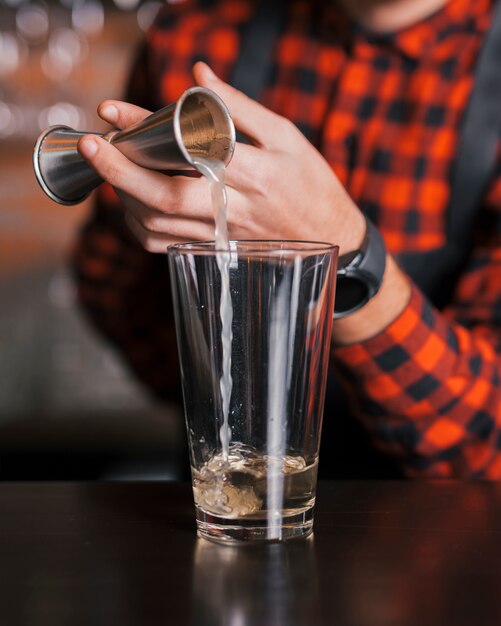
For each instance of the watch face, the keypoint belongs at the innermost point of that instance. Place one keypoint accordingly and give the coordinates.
(350, 293)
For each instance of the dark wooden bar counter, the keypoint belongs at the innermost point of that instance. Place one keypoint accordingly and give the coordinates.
(382, 554)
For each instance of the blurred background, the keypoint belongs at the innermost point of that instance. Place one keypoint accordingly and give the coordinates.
(68, 407)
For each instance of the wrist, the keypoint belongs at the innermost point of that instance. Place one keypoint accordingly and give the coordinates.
(355, 229)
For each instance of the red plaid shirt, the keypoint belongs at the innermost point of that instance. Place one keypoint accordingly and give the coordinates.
(385, 113)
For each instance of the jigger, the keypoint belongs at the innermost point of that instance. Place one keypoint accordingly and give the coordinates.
(197, 125)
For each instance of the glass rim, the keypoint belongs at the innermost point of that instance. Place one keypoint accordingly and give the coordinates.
(275, 246)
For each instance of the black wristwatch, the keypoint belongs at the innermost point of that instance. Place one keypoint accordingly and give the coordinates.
(360, 273)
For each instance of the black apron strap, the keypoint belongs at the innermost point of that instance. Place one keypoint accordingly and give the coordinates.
(480, 135)
(260, 35)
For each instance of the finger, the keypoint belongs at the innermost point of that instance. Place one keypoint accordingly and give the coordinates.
(241, 172)
(117, 170)
(157, 221)
(182, 230)
(121, 114)
(197, 205)
(250, 117)
(155, 189)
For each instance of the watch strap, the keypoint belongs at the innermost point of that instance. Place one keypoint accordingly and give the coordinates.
(360, 273)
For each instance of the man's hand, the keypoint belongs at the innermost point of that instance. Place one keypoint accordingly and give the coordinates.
(278, 188)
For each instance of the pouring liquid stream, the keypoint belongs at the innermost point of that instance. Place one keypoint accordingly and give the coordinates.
(213, 171)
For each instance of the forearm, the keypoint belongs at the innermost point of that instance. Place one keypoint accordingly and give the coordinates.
(427, 389)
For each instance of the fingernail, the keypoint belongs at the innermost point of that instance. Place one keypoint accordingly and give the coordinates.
(88, 148)
(110, 112)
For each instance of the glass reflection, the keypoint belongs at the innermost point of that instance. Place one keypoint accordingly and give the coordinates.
(274, 584)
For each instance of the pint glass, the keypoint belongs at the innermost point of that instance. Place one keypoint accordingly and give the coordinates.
(254, 408)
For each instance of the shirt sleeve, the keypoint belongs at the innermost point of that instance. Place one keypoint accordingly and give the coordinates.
(123, 289)
(428, 386)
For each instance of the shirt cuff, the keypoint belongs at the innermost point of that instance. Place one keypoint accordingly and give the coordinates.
(404, 366)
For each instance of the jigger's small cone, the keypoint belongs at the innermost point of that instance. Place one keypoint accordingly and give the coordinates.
(62, 173)
(198, 124)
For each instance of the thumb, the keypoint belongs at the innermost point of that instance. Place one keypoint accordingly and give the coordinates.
(250, 118)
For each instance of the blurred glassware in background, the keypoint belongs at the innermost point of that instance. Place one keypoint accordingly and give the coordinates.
(126, 5)
(51, 51)
(88, 17)
(66, 49)
(63, 113)
(146, 14)
(32, 21)
(11, 119)
(12, 52)
(58, 60)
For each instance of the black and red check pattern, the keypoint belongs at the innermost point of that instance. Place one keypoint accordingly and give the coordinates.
(385, 113)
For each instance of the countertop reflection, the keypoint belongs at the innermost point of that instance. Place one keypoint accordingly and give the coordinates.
(382, 554)
(275, 584)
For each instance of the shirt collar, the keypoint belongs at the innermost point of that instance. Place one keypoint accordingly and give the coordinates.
(417, 40)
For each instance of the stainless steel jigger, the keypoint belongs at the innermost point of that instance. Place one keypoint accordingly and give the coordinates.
(198, 124)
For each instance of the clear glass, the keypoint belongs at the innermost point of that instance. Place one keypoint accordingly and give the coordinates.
(254, 461)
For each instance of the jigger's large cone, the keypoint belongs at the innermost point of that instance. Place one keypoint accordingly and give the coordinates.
(198, 124)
